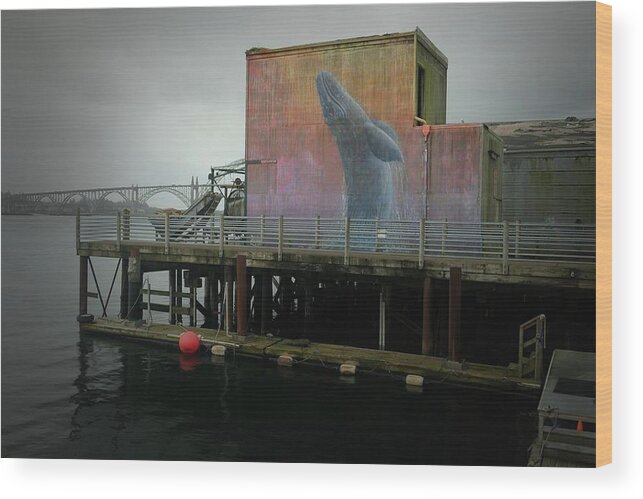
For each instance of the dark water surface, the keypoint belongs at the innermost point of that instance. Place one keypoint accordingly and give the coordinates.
(67, 395)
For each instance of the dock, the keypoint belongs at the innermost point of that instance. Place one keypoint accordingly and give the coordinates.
(252, 269)
(567, 412)
(433, 369)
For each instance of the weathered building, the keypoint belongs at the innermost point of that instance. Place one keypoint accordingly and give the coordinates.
(549, 170)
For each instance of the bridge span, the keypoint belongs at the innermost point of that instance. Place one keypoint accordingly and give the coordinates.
(135, 194)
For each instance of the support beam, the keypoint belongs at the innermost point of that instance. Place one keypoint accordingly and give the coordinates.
(455, 292)
(135, 278)
(427, 333)
(172, 287)
(212, 302)
(228, 297)
(178, 288)
(385, 293)
(266, 301)
(124, 289)
(82, 298)
(242, 295)
(308, 297)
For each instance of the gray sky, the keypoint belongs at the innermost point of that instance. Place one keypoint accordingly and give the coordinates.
(94, 98)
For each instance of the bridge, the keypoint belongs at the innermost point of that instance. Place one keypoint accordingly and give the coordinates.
(134, 194)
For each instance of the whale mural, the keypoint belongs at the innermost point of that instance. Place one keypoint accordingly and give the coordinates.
(372, 160)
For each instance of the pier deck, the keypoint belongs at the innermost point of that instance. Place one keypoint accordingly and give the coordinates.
(328, 355)
(536, 254)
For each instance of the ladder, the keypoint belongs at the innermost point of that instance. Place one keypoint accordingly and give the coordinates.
(531, 343)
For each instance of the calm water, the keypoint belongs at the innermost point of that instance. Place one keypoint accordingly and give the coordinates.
(67, 395)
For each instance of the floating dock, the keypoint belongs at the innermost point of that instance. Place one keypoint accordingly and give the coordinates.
(567, 413)
(433, 369)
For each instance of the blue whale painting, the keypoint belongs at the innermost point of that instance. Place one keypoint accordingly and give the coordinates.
(369, 150)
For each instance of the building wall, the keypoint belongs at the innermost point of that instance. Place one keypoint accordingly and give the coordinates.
(285, 121)
(435, 88)
(550, 186)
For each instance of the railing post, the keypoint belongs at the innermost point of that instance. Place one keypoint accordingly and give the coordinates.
(505, 247)
(263, 228)
(421, 250)
(118, 230)
(317, 227)
(280, 239)
(347, 239)
(517, 246)
(77, 229)
(221, 234)
(377, 234)
(167, 233)
(445, 234)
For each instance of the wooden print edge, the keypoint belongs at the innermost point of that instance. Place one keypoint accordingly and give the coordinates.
(603, 234)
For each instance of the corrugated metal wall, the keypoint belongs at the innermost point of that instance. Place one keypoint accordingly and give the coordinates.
(552, 186)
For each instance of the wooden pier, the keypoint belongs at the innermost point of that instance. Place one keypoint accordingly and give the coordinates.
(239, 261)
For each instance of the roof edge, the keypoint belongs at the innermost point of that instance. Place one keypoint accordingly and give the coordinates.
(360, 40)
(430, 46)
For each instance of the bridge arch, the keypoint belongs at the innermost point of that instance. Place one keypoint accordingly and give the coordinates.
(104, 196)
(174, 190)
(71, 196)
(37, 200)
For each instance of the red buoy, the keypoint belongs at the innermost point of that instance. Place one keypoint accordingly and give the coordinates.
(189, 342)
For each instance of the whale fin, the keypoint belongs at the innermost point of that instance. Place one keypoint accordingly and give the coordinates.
(388, 129)
(382, 144)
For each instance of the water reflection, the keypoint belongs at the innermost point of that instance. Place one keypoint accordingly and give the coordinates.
(144, 401)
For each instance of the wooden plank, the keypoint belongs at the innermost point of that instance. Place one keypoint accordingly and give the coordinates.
(158, 292)
(155, 292)
(159, 307)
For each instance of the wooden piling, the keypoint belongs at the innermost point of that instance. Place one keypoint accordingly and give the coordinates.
(124, 288)
(242, 295)
(82, 298)
(172, 288)
(266, 301)
(427, 337)
(212, 300)
(385, 293)
(227, 297)
(455, 292)
(178, 288)
(135, 283)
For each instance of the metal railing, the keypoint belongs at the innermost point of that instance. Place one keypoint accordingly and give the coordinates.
(501, 242)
